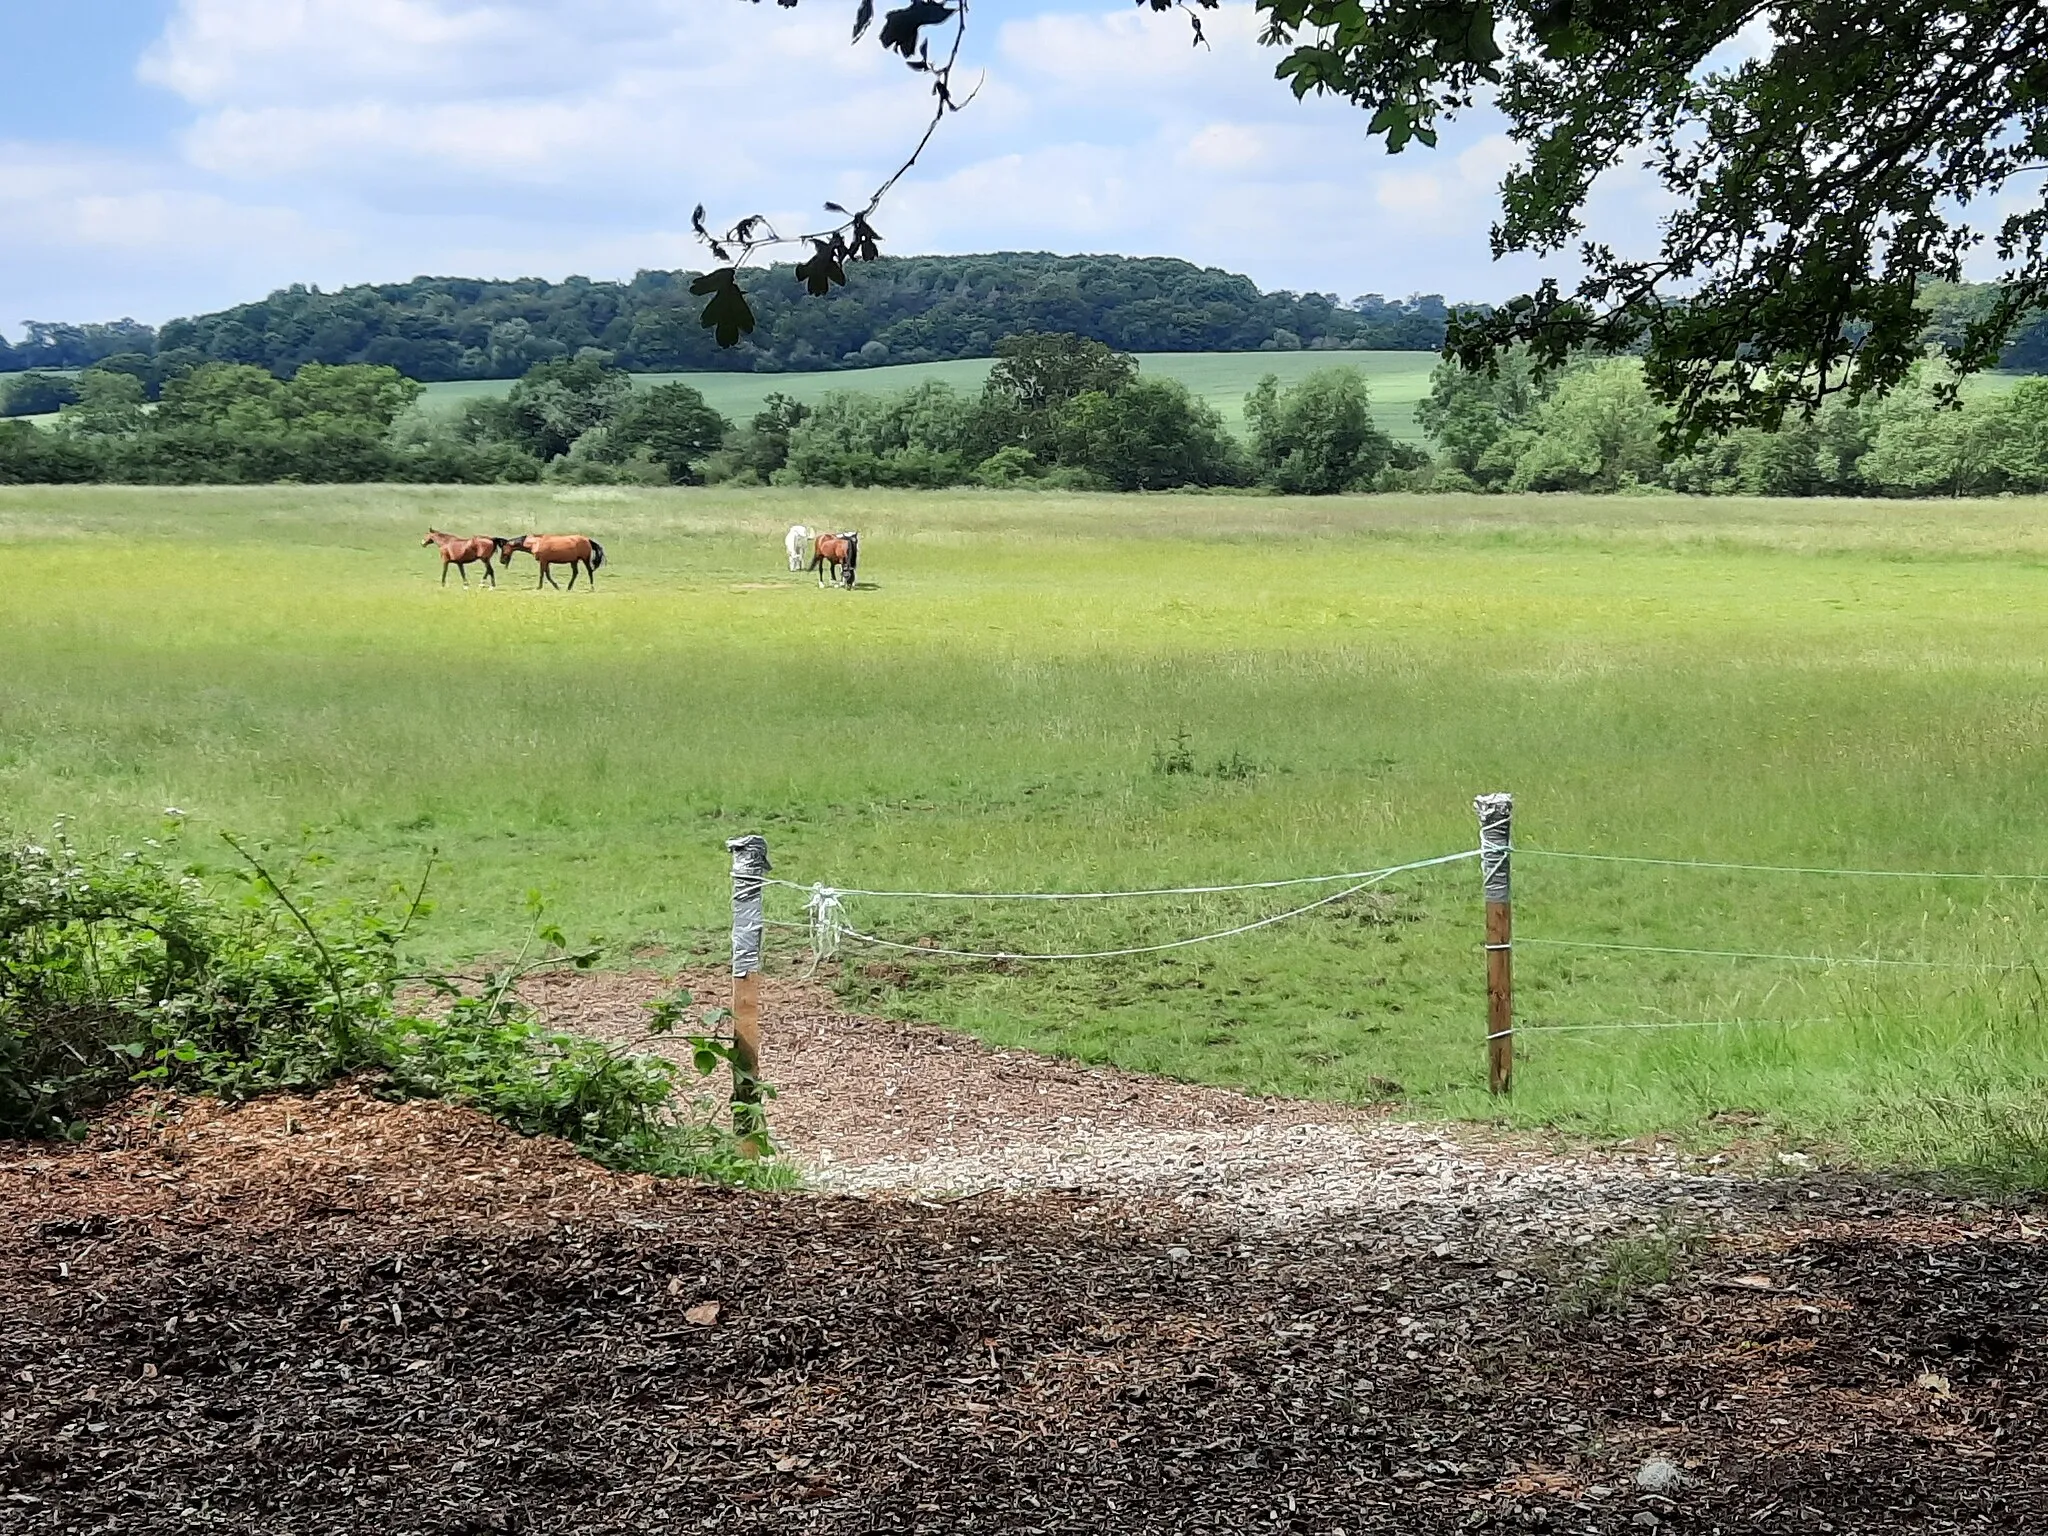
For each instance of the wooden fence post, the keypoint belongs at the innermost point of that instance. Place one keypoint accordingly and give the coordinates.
(1496, 842)
(749, 867)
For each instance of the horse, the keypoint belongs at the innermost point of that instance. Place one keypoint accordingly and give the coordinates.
(570, 549)
(796, 543)
(459, 552)
(841, 551)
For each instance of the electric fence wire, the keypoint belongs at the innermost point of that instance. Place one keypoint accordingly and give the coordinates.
(1582, 1029)
(829, 923)
(1175, 890)
(1775, 869)
(1759, 954)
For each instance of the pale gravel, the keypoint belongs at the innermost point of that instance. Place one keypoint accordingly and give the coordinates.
(878, 1108)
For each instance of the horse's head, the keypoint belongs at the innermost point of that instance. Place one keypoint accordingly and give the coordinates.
(508, 547)
(433, 537)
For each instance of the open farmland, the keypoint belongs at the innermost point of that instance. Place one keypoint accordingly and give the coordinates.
(1007, 705)
(1398, 379)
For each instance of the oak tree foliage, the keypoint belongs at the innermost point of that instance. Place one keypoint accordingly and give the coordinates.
(1824, 161)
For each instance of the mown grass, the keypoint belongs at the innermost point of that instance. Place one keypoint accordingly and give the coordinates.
(1802, 683)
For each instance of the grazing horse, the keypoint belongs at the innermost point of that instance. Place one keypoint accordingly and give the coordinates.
(797, 544)
(841, 551)
(459, 552)
(570, 549)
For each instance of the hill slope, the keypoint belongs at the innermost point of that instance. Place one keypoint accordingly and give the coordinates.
(898, 310)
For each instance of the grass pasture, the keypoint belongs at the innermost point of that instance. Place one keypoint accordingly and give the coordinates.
(1398, 381)
(1810, 683)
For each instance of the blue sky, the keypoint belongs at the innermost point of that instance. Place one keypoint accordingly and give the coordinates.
(161, 157)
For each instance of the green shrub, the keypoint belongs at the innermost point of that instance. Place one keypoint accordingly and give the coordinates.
(118, 971)
(1318, 437)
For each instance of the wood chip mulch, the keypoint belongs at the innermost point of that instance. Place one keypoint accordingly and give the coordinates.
(336, 1315)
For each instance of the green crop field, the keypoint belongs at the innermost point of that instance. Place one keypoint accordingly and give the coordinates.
(1009, 705)
(1398, 381)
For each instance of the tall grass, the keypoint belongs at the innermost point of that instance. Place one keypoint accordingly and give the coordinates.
(1807, 683)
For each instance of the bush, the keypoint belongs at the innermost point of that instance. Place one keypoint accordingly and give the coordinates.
(915, 439)
(1318, 437)
(31, 456)
(37, 394)
(1151, 435)
(1007, 466)
(1598, 431)
(119, 971)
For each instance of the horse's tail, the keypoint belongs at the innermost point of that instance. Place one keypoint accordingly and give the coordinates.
(596, 554)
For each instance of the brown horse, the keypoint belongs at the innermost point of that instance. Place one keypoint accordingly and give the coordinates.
(841, 551)
(570, 549)
(459, 552)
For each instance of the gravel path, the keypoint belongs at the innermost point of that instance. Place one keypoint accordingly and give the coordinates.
(874, 1107)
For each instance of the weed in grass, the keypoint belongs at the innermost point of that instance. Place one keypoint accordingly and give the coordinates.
(1177, 756)
(1610, 1276)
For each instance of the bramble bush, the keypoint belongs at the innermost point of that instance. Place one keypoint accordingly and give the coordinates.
(124, 970)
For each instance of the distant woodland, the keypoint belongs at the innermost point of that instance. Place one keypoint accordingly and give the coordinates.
(898, 310)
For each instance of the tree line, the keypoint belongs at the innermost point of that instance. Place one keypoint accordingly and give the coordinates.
(896, 310)
(1058, 411)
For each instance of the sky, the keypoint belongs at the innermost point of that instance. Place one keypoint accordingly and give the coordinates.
(167, 157)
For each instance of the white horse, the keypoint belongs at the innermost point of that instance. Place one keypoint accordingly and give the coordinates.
(798, 543)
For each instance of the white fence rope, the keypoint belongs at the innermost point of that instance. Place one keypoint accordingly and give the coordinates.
(1756, 954)
(1174, 890)
(1774, 869)
(827, 923)
(1583, 1029)
(830, 925)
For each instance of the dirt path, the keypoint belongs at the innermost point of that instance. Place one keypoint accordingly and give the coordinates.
(871, 1106)
(338, 1315)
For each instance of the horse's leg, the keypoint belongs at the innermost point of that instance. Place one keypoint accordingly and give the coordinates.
(575, 570)
(462, 570)
(548, 575)
(589, 576)
(490, 575)
(444, 570)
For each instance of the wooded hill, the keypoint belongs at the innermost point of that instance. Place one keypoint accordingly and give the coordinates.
(898, 310)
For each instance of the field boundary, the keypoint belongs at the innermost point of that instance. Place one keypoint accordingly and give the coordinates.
(828, 926)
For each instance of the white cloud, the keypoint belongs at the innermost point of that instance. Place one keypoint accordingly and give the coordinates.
(66, 200)
(363, 140)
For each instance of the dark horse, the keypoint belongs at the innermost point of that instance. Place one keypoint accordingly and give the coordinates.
(841, 551)
(575, 551)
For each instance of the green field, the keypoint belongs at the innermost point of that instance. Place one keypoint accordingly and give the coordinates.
(1811, 683)
(1399, 380)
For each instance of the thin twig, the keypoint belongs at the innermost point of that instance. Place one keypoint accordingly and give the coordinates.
(345, 1035)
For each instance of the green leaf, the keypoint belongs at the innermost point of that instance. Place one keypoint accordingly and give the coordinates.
(823, 271)
(900, 27)
(727, 315)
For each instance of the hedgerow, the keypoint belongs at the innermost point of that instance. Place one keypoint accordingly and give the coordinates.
(122, 970)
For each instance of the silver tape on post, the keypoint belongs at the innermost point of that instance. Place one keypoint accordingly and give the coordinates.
(1496, 821)
(750, 867)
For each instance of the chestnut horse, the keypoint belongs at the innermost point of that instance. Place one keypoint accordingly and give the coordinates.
(459, 552)
(841, 551)
(570, 549)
